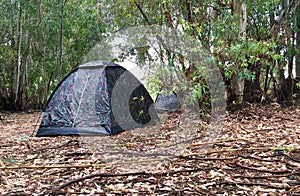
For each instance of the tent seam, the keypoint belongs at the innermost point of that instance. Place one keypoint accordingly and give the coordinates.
(76, 114)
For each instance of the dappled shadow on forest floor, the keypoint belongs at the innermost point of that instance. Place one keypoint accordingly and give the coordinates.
(257, 151)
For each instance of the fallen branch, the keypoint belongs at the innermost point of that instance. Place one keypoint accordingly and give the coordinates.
(101, 175)
(271, 185)
(262, 170)
(209, 158)
(272, 160)
(292, 158)
(218, 141)
(292, 190)
(240, 149)
(260, 159)
(267, 176)
(6, 145)
(74, 166)
(93, 176)
(50, 166)
(67, 144)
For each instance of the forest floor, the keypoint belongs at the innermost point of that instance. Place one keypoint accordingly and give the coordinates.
(255, 152)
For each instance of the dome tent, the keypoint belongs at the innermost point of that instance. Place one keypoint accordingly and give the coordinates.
(97, 98)
(166, 101)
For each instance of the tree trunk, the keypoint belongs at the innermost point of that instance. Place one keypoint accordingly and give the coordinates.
(45, 86)
(298, 42)
(41, 51)
(23, 76)
(237, 82)
(286, 84)
(60, 50)
(16, 66)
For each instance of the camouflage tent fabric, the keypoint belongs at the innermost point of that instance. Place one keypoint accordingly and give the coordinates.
(166, 102)
(97, 98)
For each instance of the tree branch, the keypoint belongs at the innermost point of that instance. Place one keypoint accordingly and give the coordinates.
(68, 183)
(267, 176)
(262, 170)
(240, 149)
(106, 175)
(142, 12)
(284, 13)
(51, 166)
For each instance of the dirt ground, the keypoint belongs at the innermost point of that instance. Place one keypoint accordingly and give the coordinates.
(255, 152)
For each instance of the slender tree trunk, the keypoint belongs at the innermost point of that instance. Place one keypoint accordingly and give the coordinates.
(41, 48)
(60, 50)
(286, 86)
(45, 94)
(298, 42)
(17, 62)
(237, 83)
(23, 76)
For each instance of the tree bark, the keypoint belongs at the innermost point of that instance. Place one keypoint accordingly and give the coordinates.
(60, 50)
(237, 82)
(298, 42)
(41, 53)
(24, 71)
(16, 66)
(286, 84)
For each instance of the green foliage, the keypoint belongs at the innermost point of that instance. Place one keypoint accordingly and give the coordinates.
(265, 47)
(40, 23)
(241, 57)
(161, 78)
(200, 96)
(217, 29)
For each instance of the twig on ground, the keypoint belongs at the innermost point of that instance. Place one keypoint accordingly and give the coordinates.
(15, 167)
(271, 185)
(218, 141)
(239, 149)
(67, 144)
(262, 170)
(292, 158)
(68, 183)
(209, 158)
(259, 159)
(1, 163)
(292, 190)
(267, 176)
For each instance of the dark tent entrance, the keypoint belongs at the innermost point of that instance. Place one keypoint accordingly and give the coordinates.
(97, 98)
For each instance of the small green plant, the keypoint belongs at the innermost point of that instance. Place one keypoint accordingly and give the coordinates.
(161, 78)
(141, 112)
(8, 160)
(141, 99)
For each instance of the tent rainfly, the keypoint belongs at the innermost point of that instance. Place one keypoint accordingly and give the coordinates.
(97, 98)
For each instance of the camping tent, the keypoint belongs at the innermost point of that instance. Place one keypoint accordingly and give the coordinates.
(166, 102)
(97, 98)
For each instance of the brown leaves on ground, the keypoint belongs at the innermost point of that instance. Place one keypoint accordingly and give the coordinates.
(257, 152)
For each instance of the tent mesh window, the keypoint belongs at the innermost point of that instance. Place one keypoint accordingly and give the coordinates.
(139, 101)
